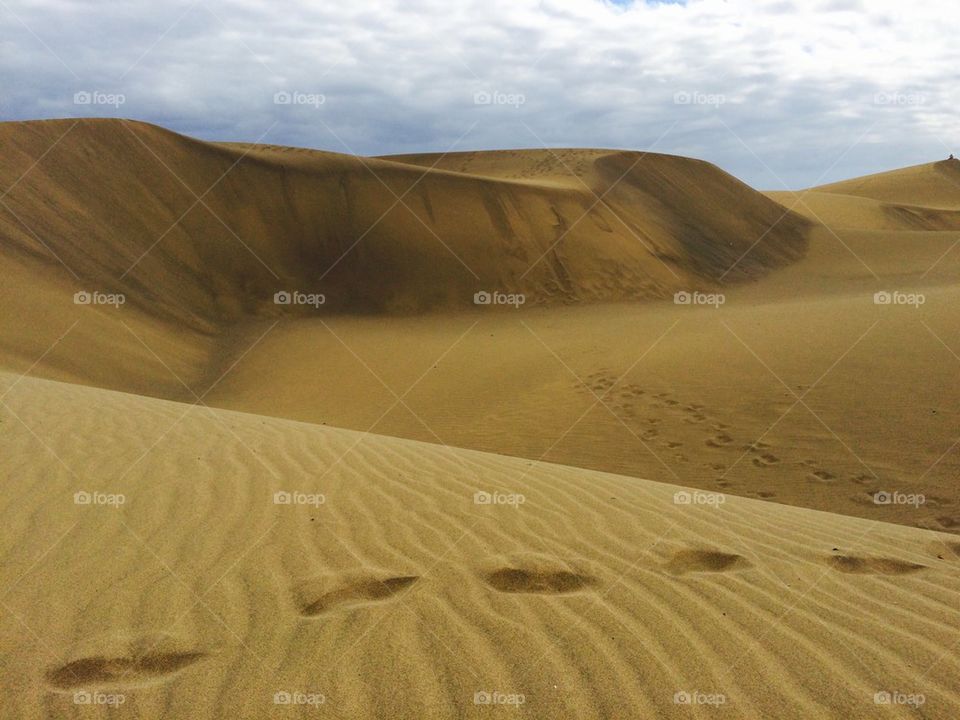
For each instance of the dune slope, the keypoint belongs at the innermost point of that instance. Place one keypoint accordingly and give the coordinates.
(199, 237)
(934, 185)
(798, 389)
(398, 595)
(208, 232)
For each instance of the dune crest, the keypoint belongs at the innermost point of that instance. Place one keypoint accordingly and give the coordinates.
(206, 233)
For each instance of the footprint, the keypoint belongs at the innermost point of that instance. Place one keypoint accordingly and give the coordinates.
(766, 460)
(824, 475)
(635, 391)
(684, 561)
(536, 574)
(719, 440)
(324, 594)
(125, 661)
(855, 565)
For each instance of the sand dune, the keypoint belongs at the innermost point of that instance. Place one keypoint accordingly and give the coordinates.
(401, 504)
(199, 237)
(851, 212)
(767, 396)
(596, 596)
(207, 233)
(934, 185)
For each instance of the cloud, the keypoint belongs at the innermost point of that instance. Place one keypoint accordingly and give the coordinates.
(776, 92)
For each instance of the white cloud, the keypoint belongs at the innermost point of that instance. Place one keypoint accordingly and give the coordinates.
(788, 86)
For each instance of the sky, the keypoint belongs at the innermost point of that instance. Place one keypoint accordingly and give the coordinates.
(781, 94)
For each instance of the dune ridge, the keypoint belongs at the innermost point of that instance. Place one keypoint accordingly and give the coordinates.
(199, 237)
(934, 185)
(165, 218)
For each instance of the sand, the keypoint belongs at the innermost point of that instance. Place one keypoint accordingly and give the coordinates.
(596, 504)
(593, 596)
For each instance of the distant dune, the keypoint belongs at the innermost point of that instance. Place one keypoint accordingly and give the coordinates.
(199, 237)
(372, 234)
(934, 185)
